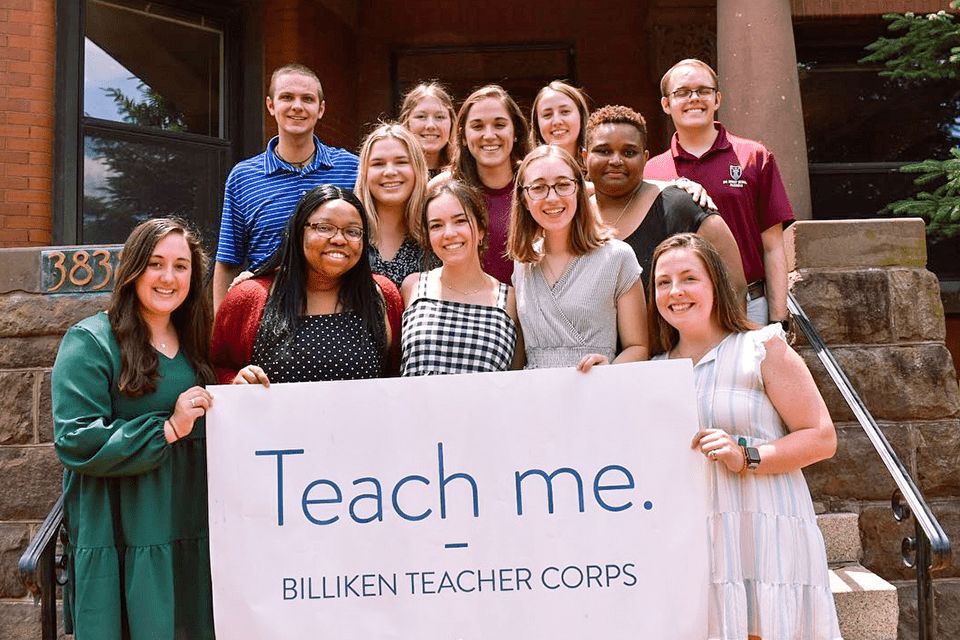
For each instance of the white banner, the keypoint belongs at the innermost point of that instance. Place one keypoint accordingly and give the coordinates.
(543, 504)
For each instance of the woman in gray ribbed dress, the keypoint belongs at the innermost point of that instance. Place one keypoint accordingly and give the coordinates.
(578, 289)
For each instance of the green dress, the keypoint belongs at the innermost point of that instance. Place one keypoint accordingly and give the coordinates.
(135, 505)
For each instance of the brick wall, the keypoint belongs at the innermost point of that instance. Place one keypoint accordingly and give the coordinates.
(27, 45)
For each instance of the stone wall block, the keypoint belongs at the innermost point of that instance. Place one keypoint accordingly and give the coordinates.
(29, 353)
(906, 382)
(890, 242)
(916, 305)
(833, 478)
(45, 413)
(938, 459)
(14, 538)
(16, 408)
(948, 514)
(907, 624)
(845, 306)
(881, 536)
(946, 598)
(41, 315)
(32, 481)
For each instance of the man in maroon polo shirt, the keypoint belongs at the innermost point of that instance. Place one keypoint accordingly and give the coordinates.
(740, 175)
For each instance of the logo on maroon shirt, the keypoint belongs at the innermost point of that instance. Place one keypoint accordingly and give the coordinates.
(735, 172)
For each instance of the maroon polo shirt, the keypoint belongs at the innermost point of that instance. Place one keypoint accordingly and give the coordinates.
(743, 179)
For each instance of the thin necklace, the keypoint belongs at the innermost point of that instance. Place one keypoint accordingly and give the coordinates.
(629, 202)
(298, 165)
(555, 277)
(463, 293)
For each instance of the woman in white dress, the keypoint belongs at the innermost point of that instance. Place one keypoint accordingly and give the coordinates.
(762, 419)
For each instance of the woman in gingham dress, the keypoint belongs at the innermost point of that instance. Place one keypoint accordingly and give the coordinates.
(578, 288)
(457, 318)
(761, 420)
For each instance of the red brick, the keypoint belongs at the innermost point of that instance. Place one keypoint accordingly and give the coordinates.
(24, 169)
(22, 106)
(42, 132)
(19, 5)
(8, 53)
(14, 157)
(30, 93)
(12, 236)
(43, 82)
(18, 29)
(14, 131)
(37, 157)
(39, 237)
(23, 114)
(40, 209)
(45, 184)
(15, 182)
(19, 222)
(42, 35)
(42, 55)
(29, 144)
(33, 68)
(26, 196)
(15, 79)
(29, 16)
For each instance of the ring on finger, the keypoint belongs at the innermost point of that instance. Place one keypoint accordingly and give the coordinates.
(712, 455)
(193, 402)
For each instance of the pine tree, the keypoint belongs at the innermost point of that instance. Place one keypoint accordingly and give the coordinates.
(928, 50)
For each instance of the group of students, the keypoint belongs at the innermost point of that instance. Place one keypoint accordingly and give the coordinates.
(470, 242)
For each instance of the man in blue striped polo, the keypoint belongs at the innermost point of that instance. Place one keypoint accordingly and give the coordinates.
(262, 192)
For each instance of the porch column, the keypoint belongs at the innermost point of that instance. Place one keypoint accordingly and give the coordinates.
(757, 63)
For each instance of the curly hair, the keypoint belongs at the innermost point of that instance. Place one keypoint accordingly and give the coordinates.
(617, 114)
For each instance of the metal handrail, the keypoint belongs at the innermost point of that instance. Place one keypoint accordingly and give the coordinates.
(39, 567)
(930, 548)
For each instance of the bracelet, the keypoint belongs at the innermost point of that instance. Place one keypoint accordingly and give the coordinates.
(743, 452)
(173, 426)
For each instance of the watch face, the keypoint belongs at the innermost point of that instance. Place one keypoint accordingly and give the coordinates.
(753, 457)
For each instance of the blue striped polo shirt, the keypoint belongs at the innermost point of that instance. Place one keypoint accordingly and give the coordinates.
(261, 194)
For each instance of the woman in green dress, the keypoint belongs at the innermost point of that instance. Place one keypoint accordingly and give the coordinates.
(129, 429)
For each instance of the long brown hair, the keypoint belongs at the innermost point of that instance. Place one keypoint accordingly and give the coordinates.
(472, 202)
(727, 310)
(587, 230)
(139, 362)
(412, 100)
(579, 101)
(464, 165)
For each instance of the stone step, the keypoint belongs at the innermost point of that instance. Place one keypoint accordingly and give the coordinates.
(841, 537)
(867, 605)
(20, 620)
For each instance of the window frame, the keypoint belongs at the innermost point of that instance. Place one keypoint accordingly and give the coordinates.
(71, 125)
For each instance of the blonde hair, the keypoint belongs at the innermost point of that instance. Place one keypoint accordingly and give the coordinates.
(413, 98)
(587, 230)
(362, 190)
(689, 62)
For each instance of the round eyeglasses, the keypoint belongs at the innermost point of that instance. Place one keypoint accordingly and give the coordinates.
(327, 230)
(563, 188)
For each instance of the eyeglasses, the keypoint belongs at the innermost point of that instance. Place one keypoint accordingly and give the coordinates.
(326, 230)
(563, 188)
(701, 92)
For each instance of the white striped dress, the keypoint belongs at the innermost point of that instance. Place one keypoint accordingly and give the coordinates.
(444, 336)
(768, 564)
(578, 315)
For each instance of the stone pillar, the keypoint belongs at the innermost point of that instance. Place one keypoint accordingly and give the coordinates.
(39, 301)
(864, 286)
(761, 89)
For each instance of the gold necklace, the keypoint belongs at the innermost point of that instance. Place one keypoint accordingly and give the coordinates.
(463, 293)
(629, 202)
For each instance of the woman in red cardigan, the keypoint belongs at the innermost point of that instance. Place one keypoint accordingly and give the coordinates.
(315, 311)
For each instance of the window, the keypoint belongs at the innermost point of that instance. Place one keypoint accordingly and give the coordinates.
(861, 128)
(152, 135)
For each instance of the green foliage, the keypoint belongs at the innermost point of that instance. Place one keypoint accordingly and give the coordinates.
(929, 49)
(940, 207)
(154, 111)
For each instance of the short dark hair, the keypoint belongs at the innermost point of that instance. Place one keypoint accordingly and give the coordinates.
(295, 68)
(617, 114)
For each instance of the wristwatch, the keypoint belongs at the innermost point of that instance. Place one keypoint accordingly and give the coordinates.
(750, 454)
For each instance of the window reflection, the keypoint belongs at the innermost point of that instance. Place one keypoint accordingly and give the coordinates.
(149, 67)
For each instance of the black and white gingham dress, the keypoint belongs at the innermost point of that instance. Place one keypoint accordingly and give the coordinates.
(440, 336)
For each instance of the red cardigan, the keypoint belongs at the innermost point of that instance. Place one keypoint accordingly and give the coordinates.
(239, 315)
